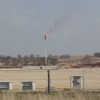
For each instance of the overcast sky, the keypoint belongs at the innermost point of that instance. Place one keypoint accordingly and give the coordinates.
(75, 27)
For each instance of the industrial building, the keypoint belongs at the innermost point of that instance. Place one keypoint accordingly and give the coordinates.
(37, 80)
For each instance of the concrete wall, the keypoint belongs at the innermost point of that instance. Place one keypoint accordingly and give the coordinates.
(60, 79)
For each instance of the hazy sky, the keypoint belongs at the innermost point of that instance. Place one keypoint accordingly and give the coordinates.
(75, 24)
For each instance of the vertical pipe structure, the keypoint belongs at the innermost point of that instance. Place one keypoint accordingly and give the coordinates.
(45, 54)
(45, 37)
(48, 71)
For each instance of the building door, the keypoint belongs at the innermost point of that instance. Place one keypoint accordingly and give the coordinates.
(77, 82)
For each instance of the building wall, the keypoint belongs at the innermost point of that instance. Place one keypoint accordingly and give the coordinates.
(60, 79)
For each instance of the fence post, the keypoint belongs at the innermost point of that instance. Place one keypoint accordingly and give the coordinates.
(48, 80)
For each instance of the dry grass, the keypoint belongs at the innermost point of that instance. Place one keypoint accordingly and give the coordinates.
(51, 96)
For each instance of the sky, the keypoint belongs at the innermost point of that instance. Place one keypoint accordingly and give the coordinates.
(75, 26)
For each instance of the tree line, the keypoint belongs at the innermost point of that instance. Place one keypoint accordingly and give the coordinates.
(28, 60)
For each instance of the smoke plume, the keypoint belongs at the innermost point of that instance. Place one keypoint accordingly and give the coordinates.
(57, 24)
